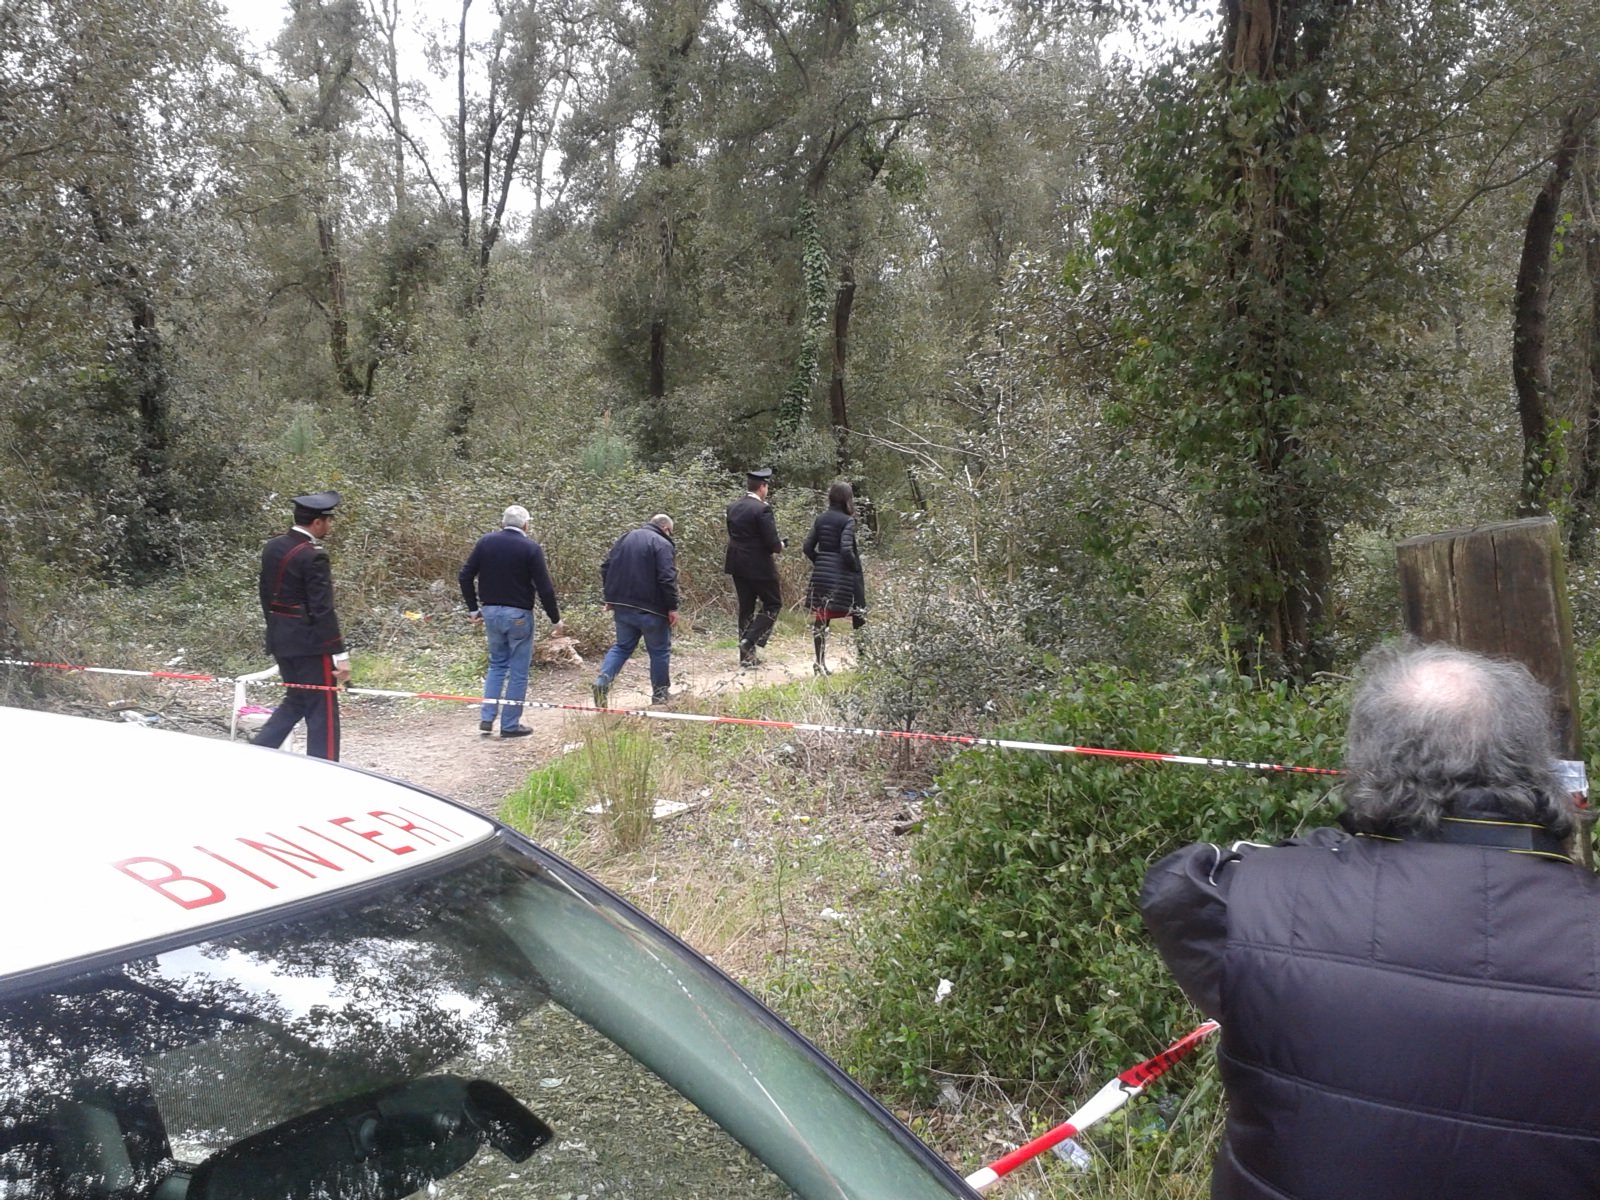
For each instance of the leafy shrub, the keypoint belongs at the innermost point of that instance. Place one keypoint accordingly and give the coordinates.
(605, 454)
(1028, 874)
(549, 791)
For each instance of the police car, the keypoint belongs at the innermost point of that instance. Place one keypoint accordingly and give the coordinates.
(234, 974)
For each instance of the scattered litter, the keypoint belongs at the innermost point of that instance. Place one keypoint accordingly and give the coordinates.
(664, 809)
(552, 1082)
(944, 989)
(176, 658)
(831, 914)
(252, 716)
(569, 747)
(948, 1096)
(1074, 1155)
(139, 718)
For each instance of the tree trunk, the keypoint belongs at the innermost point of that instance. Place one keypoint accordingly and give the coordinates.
(387, 13)
(148, 545)
(463, 181)
(150, 369)
(333, 276)
(1281, 564)
(506, 109)
(1586, 490)
(657, 383)
(664, 80)
(795, 403)
(1530, 357)
(844, 297)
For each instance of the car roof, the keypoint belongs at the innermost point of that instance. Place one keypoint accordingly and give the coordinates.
(117, 835)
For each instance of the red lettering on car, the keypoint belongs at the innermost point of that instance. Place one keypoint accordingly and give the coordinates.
(287, 852)
(168, 883)
(404, 826)
(266, 883)
(375, 836)
(434, 821)
(332, 842)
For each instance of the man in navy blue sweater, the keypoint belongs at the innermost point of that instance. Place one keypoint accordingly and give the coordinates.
(504, 572)
(639, 579)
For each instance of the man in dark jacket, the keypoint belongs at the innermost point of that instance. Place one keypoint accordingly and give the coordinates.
(639, 579)
(296, 588)
(504, 572)
(1410, 1006)
(752, 541)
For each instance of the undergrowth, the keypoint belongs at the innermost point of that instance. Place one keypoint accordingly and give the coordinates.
(1024, 896)
(1020, 890)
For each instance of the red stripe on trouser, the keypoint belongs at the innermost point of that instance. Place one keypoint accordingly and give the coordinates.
(332, 715)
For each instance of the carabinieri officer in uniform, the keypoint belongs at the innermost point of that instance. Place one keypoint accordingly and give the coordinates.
(303, 630)
(752, 541)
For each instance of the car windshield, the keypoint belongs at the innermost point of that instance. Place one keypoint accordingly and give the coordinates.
(499, 1028)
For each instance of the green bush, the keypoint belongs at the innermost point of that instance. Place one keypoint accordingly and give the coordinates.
(552, 790)
(1028, 872)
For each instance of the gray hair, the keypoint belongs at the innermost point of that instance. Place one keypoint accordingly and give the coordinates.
(1430, 722)
(662, 522)
(515, 517)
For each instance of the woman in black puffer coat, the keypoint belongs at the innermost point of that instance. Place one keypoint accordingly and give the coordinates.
(837, 588)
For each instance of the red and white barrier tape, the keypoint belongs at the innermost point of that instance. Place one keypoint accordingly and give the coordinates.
(955, 739)
(1102, 1104)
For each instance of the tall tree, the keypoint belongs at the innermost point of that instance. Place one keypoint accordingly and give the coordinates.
(500, 134)
(1586, 488)
(1530, 356)
(1281, 264)
(322, 45)
(847, 87)
(108, 154)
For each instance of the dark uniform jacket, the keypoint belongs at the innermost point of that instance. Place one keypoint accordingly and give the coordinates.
(1399, 1018)
(639, 571)
(507, 567)
(836, 582)
(752, 540)
(297, 598)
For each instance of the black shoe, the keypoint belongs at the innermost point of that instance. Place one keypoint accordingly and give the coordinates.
(601, 693)
(661, 696)
(747, 655)
(516, 731)
(485, 726)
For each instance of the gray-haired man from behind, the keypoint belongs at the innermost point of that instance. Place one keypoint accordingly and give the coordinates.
(1410, 1005)
(639, 580)
(504, 572)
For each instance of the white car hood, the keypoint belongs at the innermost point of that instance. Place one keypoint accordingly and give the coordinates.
(115, 834)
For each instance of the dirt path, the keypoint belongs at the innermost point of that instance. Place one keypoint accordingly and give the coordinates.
(437, 745)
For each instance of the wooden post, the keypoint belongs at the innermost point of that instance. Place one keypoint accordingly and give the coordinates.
(1500, 590)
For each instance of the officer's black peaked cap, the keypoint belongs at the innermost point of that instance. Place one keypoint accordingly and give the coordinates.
(318, 504)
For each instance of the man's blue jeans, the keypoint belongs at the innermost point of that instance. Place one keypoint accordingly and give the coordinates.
(510, 634)
(632, 624)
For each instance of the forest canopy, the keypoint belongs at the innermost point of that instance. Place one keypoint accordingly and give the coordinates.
(1122, 348)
